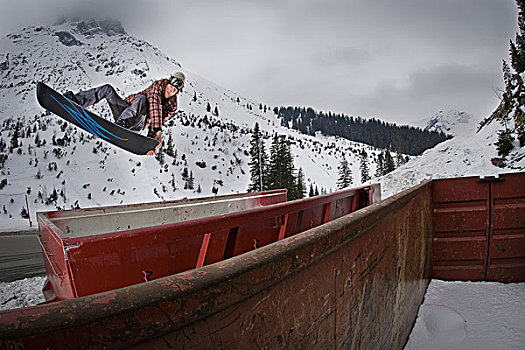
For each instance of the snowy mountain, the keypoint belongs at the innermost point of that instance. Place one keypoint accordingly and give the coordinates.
(450, 122)
(58, 166)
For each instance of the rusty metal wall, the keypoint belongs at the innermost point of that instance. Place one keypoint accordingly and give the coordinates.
(355, 282)
(506, 260)
(364, 293)
(100, 262)
(479, 229)
(461, 229)
(89, 250)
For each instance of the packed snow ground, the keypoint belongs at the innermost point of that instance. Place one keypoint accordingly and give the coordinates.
(467, 315)
(21, 293)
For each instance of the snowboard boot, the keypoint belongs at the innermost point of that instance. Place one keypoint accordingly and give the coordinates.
(123, 123)
(71, 96)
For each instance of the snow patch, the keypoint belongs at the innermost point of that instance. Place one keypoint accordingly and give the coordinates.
(21, 293)
(470, 315)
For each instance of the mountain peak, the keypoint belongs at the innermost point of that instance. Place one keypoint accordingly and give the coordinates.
(450, 122)
(92, 27)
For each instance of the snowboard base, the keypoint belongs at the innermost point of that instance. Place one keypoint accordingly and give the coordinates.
(102, 128)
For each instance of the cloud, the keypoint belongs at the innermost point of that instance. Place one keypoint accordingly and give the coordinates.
(342, 56)
(441, 87)
(450, 79)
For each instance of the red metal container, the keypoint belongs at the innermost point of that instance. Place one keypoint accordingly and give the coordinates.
(91, 250)
(95, 250)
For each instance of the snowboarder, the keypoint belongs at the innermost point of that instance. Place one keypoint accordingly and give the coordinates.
(149, 108)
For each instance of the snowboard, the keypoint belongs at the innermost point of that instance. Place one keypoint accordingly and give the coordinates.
(110, 132)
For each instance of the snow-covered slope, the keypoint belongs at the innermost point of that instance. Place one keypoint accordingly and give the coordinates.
(57, 172)
(468, 153)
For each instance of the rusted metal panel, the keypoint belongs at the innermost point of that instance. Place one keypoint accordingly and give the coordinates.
(105, 260)
(356, 281)
(461, 232)
(87, 251)
(507, 242)
(479, 228)
(383, 276)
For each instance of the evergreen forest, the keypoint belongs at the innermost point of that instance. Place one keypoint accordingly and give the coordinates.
(374, 132)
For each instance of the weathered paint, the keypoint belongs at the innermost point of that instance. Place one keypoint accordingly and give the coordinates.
(506, 261)
(479, 228)
(92, 250)
(461, 231)
(355, 281)
(84, 264)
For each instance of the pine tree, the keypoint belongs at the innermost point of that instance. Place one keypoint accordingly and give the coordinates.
(363, 167)
(400, 159)
(389, 165)
(504, 143)
(379, 165)
(15, 136)
(517, 50)
(37, 140)
(274, 166)
(191, 181)
(160, 156)
(344, 179)
(287, 169)
(311, 193)
(281, 168)
(258, 162)
(169, 146)
(301, 188)
(172, 182)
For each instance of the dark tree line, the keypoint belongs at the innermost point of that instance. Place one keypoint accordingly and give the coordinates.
(374, 132)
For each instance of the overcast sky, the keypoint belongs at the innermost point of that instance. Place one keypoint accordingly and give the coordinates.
(396, 60)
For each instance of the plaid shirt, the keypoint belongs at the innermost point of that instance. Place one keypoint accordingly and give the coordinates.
(159, 108)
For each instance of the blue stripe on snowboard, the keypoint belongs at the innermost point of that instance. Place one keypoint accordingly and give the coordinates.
(86, 121)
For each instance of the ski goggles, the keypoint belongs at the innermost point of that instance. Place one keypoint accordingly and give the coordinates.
(179, 84)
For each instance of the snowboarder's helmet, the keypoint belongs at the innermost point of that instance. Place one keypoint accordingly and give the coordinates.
(177, 79)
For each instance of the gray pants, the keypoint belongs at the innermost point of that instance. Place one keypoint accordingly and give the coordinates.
(134, 115)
